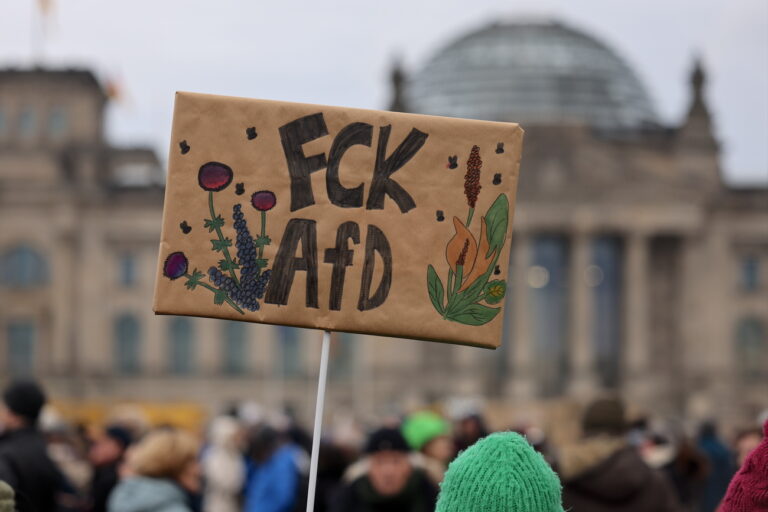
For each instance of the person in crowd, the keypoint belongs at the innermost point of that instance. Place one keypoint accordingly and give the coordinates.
(391, 483)
(272, 482)
(604, 473)
(106, 455)
(333, 461)
(721, 464)
(470, 429)
(164, 474)
(7, 501)
(223, 467)
(68, 451)
(746, 441)
(24, 461)
(748, 491)
(428, 434)
(500, 473)
(683, 464)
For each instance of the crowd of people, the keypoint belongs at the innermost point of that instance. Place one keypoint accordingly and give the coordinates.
(418, 463)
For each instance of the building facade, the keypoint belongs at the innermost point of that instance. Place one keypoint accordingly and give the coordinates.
(635, 267)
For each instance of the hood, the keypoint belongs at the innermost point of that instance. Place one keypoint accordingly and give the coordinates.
(139, 494)
(223, 432)
(616, 472)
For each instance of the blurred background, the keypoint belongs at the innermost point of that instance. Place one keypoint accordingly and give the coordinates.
(640, 248)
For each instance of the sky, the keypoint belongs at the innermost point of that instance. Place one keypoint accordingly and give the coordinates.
(339, 52)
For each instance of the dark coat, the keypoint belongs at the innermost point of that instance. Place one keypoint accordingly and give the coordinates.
(622, 482)
(419, 495)
(27, 468)
(105, 479)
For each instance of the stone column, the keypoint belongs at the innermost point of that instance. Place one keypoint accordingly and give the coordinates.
(522, 350)
(583, 381)
(208, 337)
(636, 315)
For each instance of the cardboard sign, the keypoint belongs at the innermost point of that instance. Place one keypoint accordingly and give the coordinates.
(339, 219)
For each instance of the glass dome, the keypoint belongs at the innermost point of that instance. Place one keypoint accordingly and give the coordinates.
(534, 72)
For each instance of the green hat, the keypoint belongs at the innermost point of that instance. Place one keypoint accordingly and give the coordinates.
(422, 427)
(503, 473)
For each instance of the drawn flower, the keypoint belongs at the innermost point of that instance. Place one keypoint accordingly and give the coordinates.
(495, 291)
(214, 176)
(175, 266)
(472, 178)
(263, 200)
(483, 260)
(462, 249)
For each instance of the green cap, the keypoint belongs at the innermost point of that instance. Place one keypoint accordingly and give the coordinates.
(503, 473)
(422, 427)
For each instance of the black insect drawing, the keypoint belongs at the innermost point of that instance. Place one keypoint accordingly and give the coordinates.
(251, 133)
(496, 271)
(440, 215)
(497, 178)
(185, 228)
(499, 148)
(239, 189)
(452, 162)
(184, 147)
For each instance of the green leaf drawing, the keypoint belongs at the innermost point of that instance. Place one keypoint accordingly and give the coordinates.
(475, 314)
(194, 279)
(496, 221)
(214, 224)
(226, 266)
(219, 297)
(261, 241)
(435, 289)
(261, 262)
(495, 291)
(221, 245)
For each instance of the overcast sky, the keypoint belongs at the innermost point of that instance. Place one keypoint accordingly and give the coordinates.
(339, 52)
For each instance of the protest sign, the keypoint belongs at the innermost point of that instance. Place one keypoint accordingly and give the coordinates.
(339, 219)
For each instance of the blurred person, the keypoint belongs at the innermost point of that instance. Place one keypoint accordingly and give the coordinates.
(223, 467)
(428, 434)
(164, 474)
(746, 441)
(273, 479)
(107, 455)
(604, 473)
(333, 460)
(721, 466)
(748, 491)
(500, 473)
(391, 483)
(685, 466)
(66, 450)
(470, 429)
(25, 465)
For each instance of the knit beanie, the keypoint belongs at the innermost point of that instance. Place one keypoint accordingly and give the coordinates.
(120, 435)
(604, 416)
(500, 473)
(422, 427)
(386, 439)
(24, 398)
(748, 491)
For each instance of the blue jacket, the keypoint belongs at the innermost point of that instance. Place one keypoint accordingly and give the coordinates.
(271, 486)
